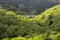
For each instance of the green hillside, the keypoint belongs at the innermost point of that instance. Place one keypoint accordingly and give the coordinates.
(51, 14)
(45, 26)
(27, 7)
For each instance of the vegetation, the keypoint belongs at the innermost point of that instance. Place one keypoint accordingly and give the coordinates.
(45, 26)
(27, 7)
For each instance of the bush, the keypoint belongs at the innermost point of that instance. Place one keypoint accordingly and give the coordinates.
(57, 37)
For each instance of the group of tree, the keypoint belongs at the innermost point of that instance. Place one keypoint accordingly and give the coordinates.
(27, 7)
(45, 26)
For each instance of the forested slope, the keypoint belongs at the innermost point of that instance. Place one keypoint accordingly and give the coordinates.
(45, 26)
(27, 6)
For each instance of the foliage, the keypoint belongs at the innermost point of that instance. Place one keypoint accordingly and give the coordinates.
(43, 27)
(27, 6)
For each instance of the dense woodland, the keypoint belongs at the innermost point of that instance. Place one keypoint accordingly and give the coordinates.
(26, 7)
(15, 26)
(45, 26)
